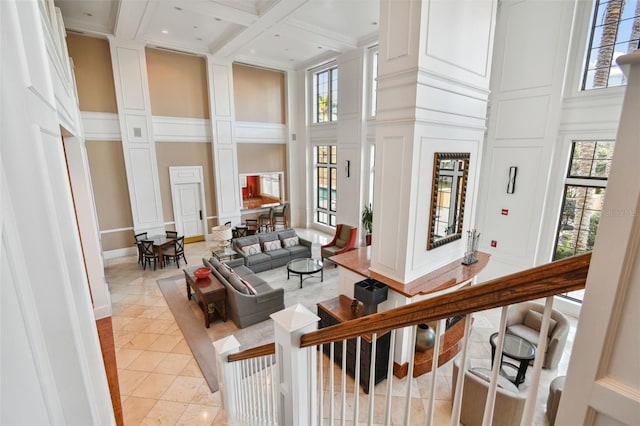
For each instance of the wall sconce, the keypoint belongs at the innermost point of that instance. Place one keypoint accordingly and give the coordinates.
(511, 185)
(347, 168)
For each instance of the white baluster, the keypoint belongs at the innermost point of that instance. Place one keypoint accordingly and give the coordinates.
(343, 387)
(356, 390)
(457, 398)
(434, 373)
(412, 355)
(487, 419)
(321, 384)
(372, 377)
(332, 362)
(387, 410)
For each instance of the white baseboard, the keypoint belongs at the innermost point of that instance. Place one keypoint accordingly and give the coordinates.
(112, 254)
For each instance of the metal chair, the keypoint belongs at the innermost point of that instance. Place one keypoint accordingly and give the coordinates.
(148, 254)
(139, 238)
(172, 234)
(176, 251)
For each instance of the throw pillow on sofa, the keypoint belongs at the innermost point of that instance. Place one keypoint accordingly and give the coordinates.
(290, 242)
(251, 249)
(236, 283)
(271, 245)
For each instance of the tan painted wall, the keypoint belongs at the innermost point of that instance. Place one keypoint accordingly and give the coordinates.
(260, 157)
(106, 165)
(171, 154)
(94, 75)
(259, 94)
(177, 84)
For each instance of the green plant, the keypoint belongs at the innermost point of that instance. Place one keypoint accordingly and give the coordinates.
(367, 218)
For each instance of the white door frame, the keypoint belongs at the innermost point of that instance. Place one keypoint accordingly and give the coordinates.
(182, 175)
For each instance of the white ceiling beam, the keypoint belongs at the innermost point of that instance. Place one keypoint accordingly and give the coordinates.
(130, 17)
(273, 16)
(316, 35)
(221, 11)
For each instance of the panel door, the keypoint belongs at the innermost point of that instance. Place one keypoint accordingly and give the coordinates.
(190, 210)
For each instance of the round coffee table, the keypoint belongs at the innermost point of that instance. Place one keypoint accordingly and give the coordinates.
(514, 347)
(306, 266)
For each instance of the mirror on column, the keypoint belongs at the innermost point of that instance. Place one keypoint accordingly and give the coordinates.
(450, 174)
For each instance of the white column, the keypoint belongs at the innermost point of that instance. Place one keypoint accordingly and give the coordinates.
(351, 136)
(433, 87)
(134, 112)
(297, 367)
(225, 153)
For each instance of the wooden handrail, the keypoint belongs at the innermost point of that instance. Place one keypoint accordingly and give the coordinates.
(542, 281)
(267, 349)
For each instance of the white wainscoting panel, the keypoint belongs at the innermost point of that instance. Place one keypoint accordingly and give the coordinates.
(465, 52)
(527, 64)
(522, 118)
(143, 183)
(131, 82)
(250, 132)
(101, 126)
(180, 129)
(227, 199)
(221, 91)
(137, 131)
(224, 133)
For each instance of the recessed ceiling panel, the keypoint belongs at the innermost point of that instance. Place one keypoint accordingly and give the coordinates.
(89, 15)
(350, 18)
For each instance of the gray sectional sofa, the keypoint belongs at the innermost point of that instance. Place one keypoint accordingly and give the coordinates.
(269, 250)
(243, 307)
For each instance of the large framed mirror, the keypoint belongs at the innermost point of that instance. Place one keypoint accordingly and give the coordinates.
(450, 174)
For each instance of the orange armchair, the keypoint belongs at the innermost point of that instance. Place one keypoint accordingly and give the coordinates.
(343, 241)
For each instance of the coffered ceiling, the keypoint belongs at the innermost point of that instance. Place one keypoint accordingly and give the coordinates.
(283, 34)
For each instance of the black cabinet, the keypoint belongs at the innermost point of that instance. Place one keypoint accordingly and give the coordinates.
(338, 310)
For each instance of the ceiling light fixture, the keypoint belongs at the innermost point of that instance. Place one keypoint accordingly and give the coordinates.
(218, 19)
(87, 14)
(374, 23)
(177, 8)
(199, 38)
(164, 32)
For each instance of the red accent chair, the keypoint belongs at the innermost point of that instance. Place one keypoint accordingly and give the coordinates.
(343, 241)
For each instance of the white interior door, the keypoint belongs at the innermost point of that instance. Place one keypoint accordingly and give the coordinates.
(187, 193)
(190, 213)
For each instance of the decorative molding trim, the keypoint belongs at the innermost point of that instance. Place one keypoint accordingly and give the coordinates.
(179, 129)
(253, 132)
(101, 126)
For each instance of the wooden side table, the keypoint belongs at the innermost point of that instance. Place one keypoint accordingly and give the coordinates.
(338, 310)
(210, 294)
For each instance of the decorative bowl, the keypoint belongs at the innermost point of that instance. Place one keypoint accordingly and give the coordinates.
(202, 273)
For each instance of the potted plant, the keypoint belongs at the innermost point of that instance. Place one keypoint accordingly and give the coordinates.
(367, 222)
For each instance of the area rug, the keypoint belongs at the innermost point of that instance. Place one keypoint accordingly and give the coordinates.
(190, 318)
(192, 327)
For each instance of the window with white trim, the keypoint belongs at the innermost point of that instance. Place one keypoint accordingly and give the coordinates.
(584, 192)
(615, 31)
(325, 95)
(326, 181)
(373, 86)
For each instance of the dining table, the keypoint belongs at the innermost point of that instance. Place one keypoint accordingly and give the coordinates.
(159, 243)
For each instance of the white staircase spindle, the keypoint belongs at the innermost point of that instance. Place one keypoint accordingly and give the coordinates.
(457, 398)
(374, 342)
(320, 383)
(356, 389)
(343, 384)
(434, 373)
(487, 419)
(407, 408)
(331, 373)
(387, 408)
(541, 349)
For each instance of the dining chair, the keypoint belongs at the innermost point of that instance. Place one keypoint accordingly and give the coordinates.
(139, 238)
(252, 226)
(175, 251)
(239, 231)
(280, 218)
(265, 221)
(227, 223)
(172, 234)
(148, 254)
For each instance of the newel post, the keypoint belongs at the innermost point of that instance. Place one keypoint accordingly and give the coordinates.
(297, 367)
(227, 378)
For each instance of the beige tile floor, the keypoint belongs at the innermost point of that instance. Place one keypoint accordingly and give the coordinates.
(160, 382)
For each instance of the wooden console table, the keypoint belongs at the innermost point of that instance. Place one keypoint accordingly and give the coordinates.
(338, 310)
(209, 293)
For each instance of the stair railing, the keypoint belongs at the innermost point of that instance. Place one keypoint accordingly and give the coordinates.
(300, 398)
